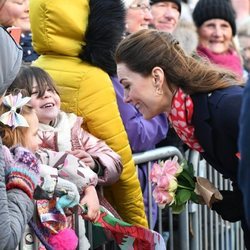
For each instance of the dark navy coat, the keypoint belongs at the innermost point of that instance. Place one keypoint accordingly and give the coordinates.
(216, 123)
(244, 146)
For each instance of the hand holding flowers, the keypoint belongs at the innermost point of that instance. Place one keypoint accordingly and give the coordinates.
(175, 184)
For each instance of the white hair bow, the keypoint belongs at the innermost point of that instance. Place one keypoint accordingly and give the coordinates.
(12, 118)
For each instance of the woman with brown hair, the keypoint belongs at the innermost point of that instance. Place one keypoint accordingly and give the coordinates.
(201, 102)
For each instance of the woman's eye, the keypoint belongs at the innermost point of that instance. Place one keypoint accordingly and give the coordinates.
(34, 93)
(210, 25)
(126, 87)
(18, 2)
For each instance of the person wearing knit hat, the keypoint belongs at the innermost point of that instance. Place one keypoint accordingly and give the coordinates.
(178, 2)
(216, 27)
(213, 9)
(165, 14)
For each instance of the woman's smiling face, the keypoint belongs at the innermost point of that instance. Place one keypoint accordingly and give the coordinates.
(144, 92)
(15, 13)
(216, 35)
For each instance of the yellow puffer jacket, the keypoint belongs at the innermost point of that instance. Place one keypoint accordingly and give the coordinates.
(58, 28)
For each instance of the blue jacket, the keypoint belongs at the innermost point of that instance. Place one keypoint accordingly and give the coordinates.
(244, 146)
(216, 122)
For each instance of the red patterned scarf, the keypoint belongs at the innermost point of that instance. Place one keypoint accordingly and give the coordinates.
(181, 116)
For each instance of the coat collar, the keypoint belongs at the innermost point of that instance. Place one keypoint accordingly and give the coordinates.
(201, 122)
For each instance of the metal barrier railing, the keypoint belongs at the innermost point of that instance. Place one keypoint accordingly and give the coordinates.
(210, 231)
(149, 157)
(199, 228)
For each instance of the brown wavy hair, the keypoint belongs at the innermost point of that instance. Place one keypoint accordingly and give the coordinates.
(146, 49)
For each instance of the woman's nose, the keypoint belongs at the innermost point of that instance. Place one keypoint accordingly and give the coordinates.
(218, 31)
(148, 16)
(126, 98)
(26, 4)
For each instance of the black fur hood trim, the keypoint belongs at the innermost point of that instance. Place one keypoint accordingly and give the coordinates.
(105, 29)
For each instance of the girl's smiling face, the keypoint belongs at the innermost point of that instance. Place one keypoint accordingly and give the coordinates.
(47, 107)
(149, 94)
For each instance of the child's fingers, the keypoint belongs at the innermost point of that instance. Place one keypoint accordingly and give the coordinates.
(76, 153)
(79, 153)
(92, 215)
(97, 216)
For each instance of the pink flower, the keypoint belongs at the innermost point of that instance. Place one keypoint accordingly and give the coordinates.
(155, 172)
(173, 185)
(167, 182)
(172, 167)
(162, 197)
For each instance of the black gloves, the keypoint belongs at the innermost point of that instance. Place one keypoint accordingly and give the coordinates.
(231, 207)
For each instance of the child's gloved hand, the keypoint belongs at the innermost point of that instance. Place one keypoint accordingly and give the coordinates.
(68, 193)
(21, 169)
(47, 185)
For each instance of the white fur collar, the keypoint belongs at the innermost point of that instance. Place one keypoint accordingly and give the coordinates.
(63, 126)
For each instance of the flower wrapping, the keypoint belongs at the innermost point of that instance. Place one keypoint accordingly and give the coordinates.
(175, 184)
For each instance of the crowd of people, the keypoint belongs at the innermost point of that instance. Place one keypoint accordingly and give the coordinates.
(85, 84)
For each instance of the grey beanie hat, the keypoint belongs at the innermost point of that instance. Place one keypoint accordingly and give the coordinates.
(10, 60)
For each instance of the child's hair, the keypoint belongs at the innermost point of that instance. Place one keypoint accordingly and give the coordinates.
(13, 136)
(28, 75)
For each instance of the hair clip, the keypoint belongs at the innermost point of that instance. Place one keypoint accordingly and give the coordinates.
(12, 118)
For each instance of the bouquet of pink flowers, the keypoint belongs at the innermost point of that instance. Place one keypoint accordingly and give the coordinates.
(175, 184)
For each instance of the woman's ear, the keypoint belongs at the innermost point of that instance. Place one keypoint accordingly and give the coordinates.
(158, 79)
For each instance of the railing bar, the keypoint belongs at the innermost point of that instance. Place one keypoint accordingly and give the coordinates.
(155, 154)
(150, 200)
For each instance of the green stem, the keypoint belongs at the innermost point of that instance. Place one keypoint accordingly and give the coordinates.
(188, 188)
